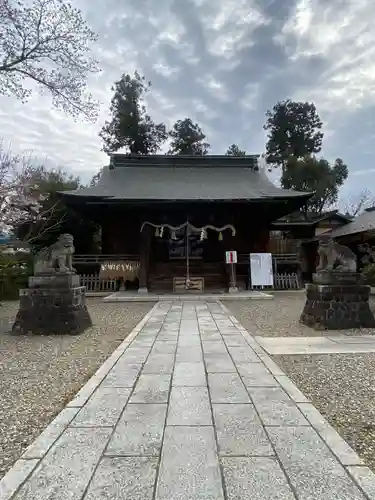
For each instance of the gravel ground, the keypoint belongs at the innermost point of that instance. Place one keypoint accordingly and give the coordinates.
(39, 375)
(279, 317)
(342, 387)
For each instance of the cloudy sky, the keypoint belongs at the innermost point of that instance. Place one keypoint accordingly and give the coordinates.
(222, 63)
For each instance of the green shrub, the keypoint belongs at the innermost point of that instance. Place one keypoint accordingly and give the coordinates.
(14, 272)
(368, 273)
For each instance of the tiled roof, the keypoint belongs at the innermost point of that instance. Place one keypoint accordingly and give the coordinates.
(361, 224)
(184, 178)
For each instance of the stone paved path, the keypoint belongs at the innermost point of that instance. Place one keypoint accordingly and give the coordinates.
(189, 407)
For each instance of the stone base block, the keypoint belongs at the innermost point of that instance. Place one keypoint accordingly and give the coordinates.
(55, 280)
(337, 278)
(195, 285)
(337, 307)
(52, 311)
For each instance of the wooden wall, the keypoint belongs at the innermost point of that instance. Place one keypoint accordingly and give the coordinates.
(121, 227)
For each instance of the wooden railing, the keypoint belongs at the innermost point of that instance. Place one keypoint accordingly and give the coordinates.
(93, 283)
(99, 258)
(291, 258)
(283, 281)
(287, 281)
(287, 258)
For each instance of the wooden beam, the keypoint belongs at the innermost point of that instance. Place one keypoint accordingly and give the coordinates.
(144, 250)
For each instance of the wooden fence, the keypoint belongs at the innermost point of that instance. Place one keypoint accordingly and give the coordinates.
(99, 258)
(283, 281)
(287, 281)
(93, 283)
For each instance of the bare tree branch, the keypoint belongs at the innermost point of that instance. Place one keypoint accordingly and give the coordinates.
(21, 196)
(357, 203)
(43, 225)
(47, 42)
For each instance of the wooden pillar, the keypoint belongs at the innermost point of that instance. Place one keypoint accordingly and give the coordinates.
(145, 243)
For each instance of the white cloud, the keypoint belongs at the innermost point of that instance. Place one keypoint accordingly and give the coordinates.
(251, 95)
(229, 24)
(366, 171)
(343, 36)
(171, 30)
(210, 62)
(215, 87)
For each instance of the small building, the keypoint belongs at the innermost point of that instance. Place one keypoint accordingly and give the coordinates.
(358, 230)
(291, 237)
(177, 215)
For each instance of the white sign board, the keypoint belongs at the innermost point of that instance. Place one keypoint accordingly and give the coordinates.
(261, 269)
(231, 257)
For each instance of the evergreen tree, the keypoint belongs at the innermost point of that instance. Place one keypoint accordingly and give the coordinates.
(234, 150)
(187, 139)
(294, 130)
(318, 176)
(131, 127)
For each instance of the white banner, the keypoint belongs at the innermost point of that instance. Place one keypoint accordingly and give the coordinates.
(261, 269)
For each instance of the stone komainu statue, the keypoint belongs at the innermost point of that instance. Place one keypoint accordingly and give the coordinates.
(335, 257)
(56, 258)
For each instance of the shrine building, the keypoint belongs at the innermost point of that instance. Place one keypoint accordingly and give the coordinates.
(176, 216)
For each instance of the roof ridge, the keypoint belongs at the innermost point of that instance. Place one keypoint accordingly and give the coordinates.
(183, 161)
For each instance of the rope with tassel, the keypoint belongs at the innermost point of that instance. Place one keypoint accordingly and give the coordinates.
(203, 230)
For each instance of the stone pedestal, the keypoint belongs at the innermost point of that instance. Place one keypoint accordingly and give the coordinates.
(337, 301)
(337, 278)
(53, 304)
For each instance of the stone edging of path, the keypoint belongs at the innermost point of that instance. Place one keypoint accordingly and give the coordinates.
(24, 466)
(361, 474)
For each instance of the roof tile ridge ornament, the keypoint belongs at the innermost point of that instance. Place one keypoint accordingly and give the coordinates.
(262, 165)
(183, 161)
(111, 165)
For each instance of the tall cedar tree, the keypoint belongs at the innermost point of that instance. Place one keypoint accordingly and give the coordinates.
(131, 127)
(187, 139)
(234, 150)
(315, 175)
(294, 129)
(46, 43)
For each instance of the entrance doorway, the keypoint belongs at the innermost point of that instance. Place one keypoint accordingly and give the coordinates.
(186, 253)
(183, 243)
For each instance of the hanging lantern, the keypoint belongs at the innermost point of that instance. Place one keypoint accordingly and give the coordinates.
(203, 235)
(157, 232)
(173, 236)
(220, 236)
(161, 231)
